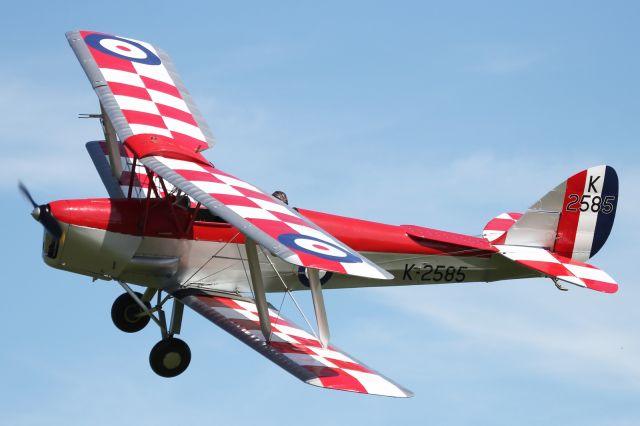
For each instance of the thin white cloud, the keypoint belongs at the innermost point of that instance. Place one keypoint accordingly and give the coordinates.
(580, 337)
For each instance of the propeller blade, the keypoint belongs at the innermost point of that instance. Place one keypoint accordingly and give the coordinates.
(27, 194)
(42, 214)
(50, 223)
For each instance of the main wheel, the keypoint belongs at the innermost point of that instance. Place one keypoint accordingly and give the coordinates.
(127, 315)
(170, 357)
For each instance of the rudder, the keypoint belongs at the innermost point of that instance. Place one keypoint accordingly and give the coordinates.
(574, 219)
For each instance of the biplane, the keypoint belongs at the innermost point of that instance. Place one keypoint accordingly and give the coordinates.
(190, 234)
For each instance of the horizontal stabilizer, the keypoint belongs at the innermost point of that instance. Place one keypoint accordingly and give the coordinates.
(291, 347)
(560, 267)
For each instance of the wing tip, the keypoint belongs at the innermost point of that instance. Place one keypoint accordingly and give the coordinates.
(603, 287)
(387, 275)
(72, 35)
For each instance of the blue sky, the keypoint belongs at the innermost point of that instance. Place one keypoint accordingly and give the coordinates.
(442, 115)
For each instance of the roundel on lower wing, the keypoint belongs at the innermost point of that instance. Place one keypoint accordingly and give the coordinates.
(128, 50)
(304, 278)
(318, 247)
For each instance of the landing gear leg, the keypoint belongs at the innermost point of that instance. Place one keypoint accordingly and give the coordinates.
(170, 356)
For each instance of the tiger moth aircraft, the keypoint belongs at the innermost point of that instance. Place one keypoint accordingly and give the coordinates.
(190, 233)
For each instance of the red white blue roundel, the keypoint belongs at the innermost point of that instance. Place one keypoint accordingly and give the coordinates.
(304, 278)
(318, 247)
(128, 50)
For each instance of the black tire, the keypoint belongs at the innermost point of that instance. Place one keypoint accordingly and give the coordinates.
(125, 313)
(170, 357)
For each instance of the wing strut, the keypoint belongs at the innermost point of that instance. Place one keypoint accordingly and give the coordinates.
(113, 147)
(258, 288)
(261, 298)
(318, 306)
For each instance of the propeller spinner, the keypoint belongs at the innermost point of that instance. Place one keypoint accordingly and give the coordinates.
(42, 214)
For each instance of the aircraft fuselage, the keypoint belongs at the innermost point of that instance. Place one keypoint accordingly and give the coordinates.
(158, 244)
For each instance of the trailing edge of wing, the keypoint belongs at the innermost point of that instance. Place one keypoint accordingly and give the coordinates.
(290, 347)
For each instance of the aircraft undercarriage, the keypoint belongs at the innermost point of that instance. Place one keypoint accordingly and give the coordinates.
(132, 311)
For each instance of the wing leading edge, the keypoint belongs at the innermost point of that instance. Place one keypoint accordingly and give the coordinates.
(290, 347)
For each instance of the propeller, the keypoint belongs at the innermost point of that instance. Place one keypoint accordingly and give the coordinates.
(42, 214)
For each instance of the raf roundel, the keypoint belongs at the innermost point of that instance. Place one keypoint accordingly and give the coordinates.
(318, 247)
(128, 50)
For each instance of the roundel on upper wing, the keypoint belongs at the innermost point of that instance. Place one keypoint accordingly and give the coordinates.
(128, 50)
(318, 247)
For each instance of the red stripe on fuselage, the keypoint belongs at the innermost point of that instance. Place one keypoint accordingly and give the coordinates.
(126, 216)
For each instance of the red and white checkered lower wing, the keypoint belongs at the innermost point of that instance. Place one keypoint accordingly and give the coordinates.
(139, 89)
(560, 267)
(291, 347)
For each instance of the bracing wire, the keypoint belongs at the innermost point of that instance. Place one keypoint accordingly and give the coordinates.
(290, 293)
(211, 258)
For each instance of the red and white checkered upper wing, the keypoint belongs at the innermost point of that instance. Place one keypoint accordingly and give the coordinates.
(261, 217)
(139, 89)
(291, 347)
(560, 267)
(155, 119)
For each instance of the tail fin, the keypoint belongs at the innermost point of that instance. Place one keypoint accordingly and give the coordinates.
(573, 220)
